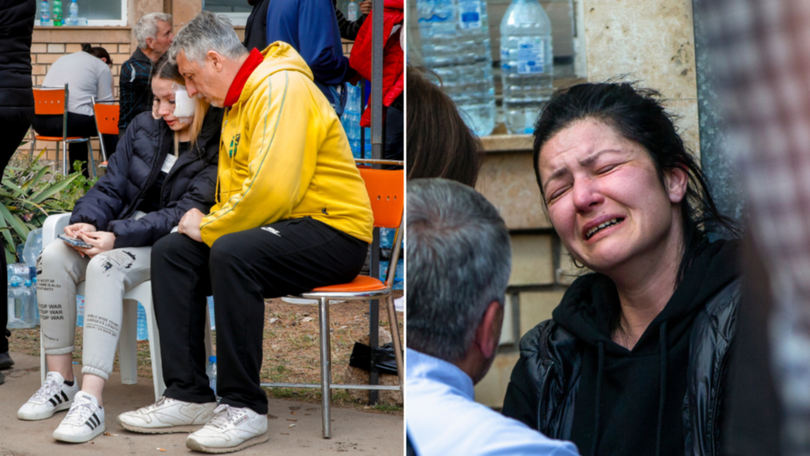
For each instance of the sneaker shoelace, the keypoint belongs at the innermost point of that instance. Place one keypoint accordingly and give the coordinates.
(48, 390)
(79, 412)
(225, 415)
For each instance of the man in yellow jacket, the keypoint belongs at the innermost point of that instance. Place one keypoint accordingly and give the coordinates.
(292, 213)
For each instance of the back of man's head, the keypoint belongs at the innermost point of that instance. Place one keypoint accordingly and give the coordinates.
(458, 259)
(207, 32)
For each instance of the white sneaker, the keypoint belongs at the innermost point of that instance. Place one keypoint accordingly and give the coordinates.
(84, 420)
(232, 429)
(168, 415)
(53, 396)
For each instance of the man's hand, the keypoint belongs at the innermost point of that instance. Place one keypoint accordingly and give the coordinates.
(102, 241)
(365, 7)
(190, 224)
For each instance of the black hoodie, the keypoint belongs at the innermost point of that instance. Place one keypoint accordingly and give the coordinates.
(640, 411)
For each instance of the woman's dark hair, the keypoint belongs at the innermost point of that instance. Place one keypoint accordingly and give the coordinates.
(98, 52)
(637, 114)
(439, 142)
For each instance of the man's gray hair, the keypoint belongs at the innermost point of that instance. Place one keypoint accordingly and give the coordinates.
(147, 27)
(207, 32)
(458, 261)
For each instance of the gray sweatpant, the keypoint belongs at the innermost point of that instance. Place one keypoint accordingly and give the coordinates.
(107, 277)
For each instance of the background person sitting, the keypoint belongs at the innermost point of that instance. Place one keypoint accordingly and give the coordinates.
(88, 75)
(153, 32)
(459, 260)
(165, 166)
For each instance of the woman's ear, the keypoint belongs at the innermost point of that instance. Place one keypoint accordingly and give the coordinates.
(676, 181)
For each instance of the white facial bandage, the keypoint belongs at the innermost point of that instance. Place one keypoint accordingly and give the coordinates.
(184, 106)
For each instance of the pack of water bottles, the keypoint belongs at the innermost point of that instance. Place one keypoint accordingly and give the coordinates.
(351, 122)
(22, 296)
(386, 243)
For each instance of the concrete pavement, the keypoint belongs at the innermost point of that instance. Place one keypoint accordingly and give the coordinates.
(295, 428)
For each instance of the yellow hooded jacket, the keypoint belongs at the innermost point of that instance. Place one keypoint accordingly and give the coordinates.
(284, 155)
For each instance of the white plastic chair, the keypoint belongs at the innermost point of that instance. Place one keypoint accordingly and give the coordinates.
(127, 347)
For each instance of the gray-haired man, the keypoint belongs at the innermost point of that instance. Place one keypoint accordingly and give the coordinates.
(154, 36)
(459, 259)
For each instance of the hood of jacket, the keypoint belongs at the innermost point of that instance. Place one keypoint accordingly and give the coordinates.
(278, 57)
(569, 364)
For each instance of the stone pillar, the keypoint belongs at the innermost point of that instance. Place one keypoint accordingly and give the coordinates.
(649, 41)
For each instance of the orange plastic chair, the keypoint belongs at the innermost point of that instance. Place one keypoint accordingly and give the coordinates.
(107, 114)
(386, 189)
(54, 101)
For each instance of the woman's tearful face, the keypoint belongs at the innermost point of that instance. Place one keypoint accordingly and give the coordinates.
(605, 198)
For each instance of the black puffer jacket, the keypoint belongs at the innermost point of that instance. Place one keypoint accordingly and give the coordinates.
(134, 167)
(544, 383)
(16, 28)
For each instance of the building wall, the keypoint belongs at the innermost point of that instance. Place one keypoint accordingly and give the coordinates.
(50, 43)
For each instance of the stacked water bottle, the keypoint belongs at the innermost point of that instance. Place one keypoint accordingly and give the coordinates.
(386, 243)
(351, 119)
(22, 285)
(456, 46)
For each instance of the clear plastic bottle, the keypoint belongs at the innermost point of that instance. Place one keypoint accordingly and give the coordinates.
(211, 372)
(527, 64)
(29, 308)
(57, 13)
(44, 13)
(142, 327)
(352, 10)
(211, 313)
(456, 46)
(73, 18)
(18, 294)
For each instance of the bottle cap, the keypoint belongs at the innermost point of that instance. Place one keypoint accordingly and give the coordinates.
(212, 359)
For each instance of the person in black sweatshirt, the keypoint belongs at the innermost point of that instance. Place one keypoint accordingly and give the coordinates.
(634, 359)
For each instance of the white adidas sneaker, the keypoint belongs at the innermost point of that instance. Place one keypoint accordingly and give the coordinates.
(168, 415)
(84, 420)
(53, 396)
(232, 429)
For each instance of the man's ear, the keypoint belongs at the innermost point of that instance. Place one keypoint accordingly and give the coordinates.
(216, 60)
(488, 334)
(150, 43)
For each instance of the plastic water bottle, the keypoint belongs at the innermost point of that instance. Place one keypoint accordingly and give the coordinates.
(527, 64)
(352, 10)
(79, 310)
(211, 372)
(211, 313)
(456, 46)
(44, 13)
(73, 19)
(57, 13)
(21, 313)
(29, 309)
(143, 329)
(351, 119)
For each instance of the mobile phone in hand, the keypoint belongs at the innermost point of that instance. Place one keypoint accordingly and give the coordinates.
(75, 241)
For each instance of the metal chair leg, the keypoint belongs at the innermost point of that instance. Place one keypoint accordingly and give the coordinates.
(392, 321)
(64, 158)
(326, 367)
(92, 163)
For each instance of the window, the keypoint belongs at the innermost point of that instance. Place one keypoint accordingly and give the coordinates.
(97, 12)
(236, 10)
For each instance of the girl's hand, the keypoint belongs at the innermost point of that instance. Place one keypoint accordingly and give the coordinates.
(190, 224)
(75, 231)
(102, 241)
